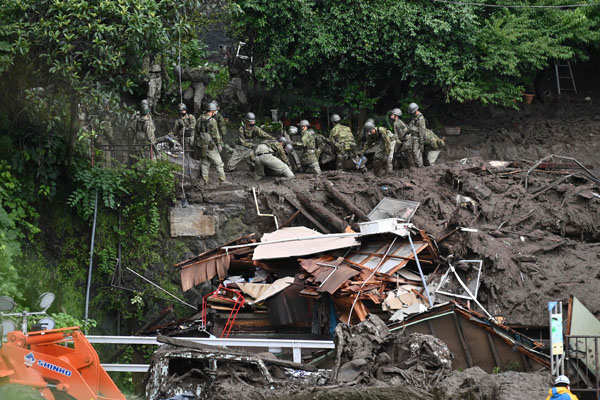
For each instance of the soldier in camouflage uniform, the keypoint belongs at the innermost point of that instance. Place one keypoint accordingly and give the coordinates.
(220, 121)
(384, 141)
(248, 134)
(144, 132)
(417, 130)
(399, 129)
(310, 158)
(208, 143)
(271, 155)
(185, 126)
(343, 141)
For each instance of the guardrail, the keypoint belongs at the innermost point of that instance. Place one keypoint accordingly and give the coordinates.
(270, 344)
(583, 356)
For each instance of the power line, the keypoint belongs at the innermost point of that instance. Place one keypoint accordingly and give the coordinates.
(515, 5)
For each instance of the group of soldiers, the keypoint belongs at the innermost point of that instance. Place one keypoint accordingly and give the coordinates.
(404, 143)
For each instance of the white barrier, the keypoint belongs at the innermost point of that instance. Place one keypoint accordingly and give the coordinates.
(294, 344)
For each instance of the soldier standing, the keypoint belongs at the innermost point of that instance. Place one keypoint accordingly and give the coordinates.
(343, 141)
(310, 159)
(221, 123)
(385, 142)
(248, 133)
(417, 129)
(271, 155)
(399, 128)
(209, 143)
(144, 136)
(185, 126)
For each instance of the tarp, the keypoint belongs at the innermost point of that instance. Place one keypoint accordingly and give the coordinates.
(301, 246)
(273, 289)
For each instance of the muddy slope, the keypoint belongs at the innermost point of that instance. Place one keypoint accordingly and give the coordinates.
(538, 243)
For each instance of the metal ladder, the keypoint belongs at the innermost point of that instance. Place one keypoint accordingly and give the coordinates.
(564, 72)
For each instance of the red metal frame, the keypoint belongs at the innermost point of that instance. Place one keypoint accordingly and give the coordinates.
(221, 293)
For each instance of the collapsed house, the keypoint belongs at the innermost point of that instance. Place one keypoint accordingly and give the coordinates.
(301, 283)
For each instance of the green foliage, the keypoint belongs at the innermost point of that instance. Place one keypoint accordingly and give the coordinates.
(16, 225)
(216, 86)
(352, 53)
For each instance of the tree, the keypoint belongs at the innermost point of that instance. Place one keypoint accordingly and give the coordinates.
(355, 51)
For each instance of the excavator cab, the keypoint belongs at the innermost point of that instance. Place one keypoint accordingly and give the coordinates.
(50, 364)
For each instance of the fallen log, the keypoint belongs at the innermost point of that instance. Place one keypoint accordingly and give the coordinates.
(323, 213)
(345, 201)
(306, 214)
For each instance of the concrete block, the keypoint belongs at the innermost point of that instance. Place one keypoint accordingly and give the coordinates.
(191, 221)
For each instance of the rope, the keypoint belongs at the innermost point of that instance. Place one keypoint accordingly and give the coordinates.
(466, 3)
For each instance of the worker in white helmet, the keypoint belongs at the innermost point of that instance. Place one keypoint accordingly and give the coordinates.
(561, 389)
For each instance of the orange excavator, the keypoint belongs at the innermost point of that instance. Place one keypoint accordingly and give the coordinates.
(52, 364)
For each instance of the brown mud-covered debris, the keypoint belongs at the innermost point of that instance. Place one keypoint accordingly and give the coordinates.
(542, 240)
(368, 353)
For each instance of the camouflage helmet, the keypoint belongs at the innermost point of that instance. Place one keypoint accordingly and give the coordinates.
(304, 122)
(144, 103)
(250, 117)
(412, 108)
(335, 118)
(369, 125)
(396, 111)
(212, 106)
(182, 107)
(292, 130)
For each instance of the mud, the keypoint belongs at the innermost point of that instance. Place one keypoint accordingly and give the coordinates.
(536, 247)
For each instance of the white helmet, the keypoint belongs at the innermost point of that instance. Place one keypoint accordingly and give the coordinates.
(562, 379)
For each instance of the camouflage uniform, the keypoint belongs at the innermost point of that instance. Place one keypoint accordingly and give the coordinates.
(343, 141)
(272, 156)
(186, 123)
(416, 139)
(207, 142)
(310, 159)
(144, 135)
(383, 141)
(221, 124)
(246, 138)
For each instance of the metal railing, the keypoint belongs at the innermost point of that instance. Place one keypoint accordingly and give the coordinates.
(270, 344)
(582, 354)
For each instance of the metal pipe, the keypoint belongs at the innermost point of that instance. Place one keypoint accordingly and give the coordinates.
(258, 211)
(160, 288)
(412, 246)
(89, 279)
(370, 276)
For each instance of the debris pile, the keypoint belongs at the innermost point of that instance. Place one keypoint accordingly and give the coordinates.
(368, 353)
(207, 372)
(303, 279)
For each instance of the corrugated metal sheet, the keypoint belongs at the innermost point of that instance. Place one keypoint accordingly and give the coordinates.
(301, 247)
(401, 253)
(204, 270)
